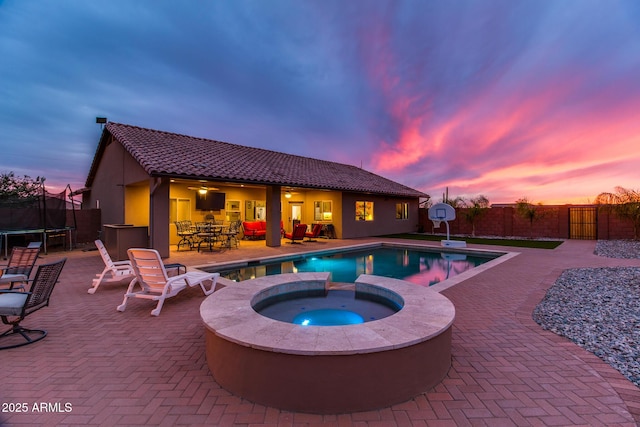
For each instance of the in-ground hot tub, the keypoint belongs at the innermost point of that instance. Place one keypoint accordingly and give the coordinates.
(317, 306)
(327, 369)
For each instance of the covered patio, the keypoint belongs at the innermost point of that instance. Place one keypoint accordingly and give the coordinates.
(134, 369)
(151, 178)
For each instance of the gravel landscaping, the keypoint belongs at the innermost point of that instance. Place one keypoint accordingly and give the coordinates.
(599, 309)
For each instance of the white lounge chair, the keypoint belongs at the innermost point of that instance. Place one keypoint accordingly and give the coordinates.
(114, 271)
(151, 276)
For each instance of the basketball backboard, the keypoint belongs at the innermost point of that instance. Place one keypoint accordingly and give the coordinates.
(442, 212)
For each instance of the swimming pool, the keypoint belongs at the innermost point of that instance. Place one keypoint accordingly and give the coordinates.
(422, 266)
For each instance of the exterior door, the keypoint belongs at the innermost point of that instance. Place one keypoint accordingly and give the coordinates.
(295, 215)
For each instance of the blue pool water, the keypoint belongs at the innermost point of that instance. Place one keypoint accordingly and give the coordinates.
(422, 267)
(331, 308)
(328, 317)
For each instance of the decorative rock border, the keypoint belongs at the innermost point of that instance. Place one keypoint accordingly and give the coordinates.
(327, 369)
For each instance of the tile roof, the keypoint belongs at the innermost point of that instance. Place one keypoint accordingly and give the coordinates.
(181, 156)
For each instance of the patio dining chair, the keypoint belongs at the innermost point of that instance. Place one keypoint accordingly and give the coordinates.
(186, 232)
(154, 283)
(208, 233)
(19, 266)
(16, 305)
(234, 231)
(114, 271)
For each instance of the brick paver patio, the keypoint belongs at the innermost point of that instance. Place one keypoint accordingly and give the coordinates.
(130, 368)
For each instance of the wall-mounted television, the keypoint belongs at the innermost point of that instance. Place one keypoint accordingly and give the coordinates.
(210, 201)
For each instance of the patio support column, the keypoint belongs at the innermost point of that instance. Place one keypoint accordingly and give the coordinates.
(273, 216)
(159, 215)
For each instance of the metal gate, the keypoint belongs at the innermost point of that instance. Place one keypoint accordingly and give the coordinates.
(583, 223)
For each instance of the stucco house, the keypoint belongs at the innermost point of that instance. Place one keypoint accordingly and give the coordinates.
(152, 178)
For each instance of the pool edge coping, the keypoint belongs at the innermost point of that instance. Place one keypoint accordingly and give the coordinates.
(503, 256)
(228, 314)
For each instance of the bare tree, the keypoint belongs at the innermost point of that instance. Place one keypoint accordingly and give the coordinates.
(529, 211)
(476, 207)
(13, 187)
(625, 203)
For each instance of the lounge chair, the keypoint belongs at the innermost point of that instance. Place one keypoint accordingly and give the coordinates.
(19, 266)
(151, 276)
(313, 235)
(16, 305)
(298, 233)
(114, 271)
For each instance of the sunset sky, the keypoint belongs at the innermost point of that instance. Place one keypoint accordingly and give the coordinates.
(505, 98)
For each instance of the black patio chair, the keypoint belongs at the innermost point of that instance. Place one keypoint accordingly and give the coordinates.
(234, 231)
(16, 305)
(20, 264)
(186, 232)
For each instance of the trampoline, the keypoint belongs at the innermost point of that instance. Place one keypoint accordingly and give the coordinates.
(44, 216)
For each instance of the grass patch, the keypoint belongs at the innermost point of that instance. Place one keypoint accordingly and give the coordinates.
(520, 243)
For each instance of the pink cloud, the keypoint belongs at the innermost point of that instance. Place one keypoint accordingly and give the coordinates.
(538, 136)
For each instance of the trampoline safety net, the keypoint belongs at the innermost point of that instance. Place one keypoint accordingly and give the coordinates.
(46, 211)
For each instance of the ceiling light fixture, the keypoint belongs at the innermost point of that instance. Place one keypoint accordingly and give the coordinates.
(287, 194)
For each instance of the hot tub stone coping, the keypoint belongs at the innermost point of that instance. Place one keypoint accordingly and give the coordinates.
(228, 313)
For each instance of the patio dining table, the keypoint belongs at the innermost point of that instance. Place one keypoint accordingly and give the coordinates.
(208, 233)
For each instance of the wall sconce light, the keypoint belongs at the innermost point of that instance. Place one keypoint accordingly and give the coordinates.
(287, 195)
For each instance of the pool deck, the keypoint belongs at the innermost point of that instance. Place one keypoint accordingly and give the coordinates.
(135, 369)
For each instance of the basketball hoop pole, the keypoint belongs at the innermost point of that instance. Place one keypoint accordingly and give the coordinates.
(447, 224)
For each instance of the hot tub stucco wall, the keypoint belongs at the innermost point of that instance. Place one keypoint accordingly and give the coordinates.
(329, 384)
(327, 369)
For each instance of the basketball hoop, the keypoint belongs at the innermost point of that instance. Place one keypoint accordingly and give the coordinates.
(442, 212)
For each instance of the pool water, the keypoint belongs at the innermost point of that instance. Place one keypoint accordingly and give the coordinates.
(328, 317)
(331, 308)
(422, 267)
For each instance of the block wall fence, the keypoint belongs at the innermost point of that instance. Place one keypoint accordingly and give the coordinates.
(88, 223)
(553, 223)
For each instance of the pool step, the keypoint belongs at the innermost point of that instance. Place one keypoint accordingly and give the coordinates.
(345, 286)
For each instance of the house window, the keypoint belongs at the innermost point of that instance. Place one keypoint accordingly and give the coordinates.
(232, 211)
(402, 210)
(364, 211)
(179, 210)
(323, 210)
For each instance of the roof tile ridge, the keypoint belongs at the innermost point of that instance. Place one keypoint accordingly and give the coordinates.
(231, 144)
(164, 132)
